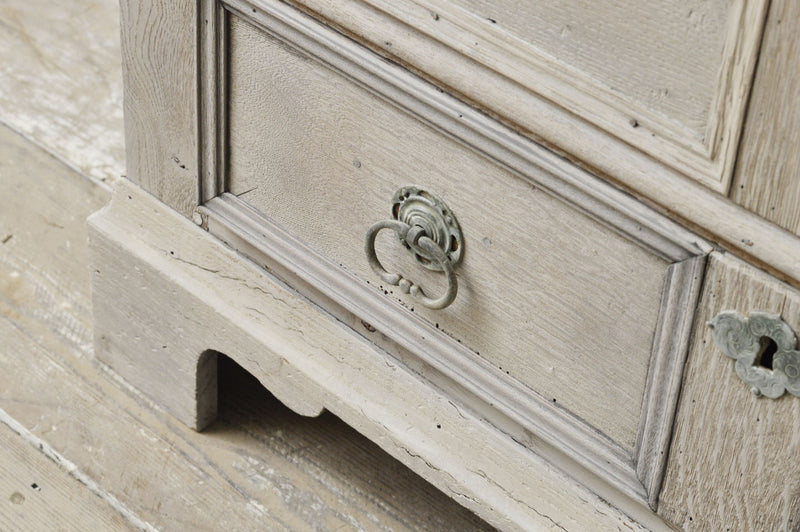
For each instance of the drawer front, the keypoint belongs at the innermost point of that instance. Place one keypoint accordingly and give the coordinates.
(733, 461)
(568, 318)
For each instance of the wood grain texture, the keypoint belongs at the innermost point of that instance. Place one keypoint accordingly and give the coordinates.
(664, 376)
(667, 190)
(159, 58)
(36, 494)
(529, 66)
(766, 179)
(173, 360)
(732, 463)
(249, 232)
(61, 81)
(43, 235)
(258, 465)
(672, 50)
(334, 143)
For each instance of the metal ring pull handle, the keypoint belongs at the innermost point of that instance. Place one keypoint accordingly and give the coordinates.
(416, 238)
(428, 229)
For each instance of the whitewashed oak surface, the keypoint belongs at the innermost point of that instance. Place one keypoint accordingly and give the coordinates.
(672, 50)
(733, 460)
(158, 39)
(666, 189)
(162, 148)
(537, 274)
(767, 179)
(670, 79)
(259, 464)
(49, 381)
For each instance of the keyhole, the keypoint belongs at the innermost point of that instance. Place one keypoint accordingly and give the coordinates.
(766, 352)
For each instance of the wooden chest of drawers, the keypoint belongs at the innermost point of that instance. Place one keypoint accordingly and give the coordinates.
(576, 160)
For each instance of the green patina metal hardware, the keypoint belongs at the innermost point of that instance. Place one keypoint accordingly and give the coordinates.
(428, 229)
(764, 348)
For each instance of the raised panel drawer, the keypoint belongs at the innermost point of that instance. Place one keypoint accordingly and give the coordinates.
(570, 325)
(537, 275)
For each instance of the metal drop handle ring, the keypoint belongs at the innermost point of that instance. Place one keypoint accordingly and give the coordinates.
(415, 237)
(427, 228)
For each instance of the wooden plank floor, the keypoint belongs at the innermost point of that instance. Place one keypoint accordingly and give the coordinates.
(38, 495)
(61, 80)
(101, 456)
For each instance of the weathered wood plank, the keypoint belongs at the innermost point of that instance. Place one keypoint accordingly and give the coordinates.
(61, 82)
(43, 213)
(36, 494)
(159, 58)
(767, 177)
(733, 463)
(252, 467)
(259, 464)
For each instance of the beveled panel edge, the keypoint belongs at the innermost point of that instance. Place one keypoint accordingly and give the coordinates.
(533, 492)
(737, 230)
(639, 474)
(212, 40)
(735, 79)
(731, 226)
(241, 226)
(670, 348)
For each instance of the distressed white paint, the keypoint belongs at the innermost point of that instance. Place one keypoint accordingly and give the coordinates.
(61, 82)
(68, 504)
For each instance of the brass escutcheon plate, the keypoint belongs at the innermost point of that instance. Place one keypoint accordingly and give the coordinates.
(417, 207)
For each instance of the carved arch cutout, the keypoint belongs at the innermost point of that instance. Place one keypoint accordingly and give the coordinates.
(207, 389)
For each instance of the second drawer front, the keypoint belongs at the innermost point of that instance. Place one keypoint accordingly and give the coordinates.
(558, 303)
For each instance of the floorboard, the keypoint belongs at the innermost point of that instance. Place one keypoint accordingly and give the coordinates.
(108, 458)
(36, 494)
(61, 81)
